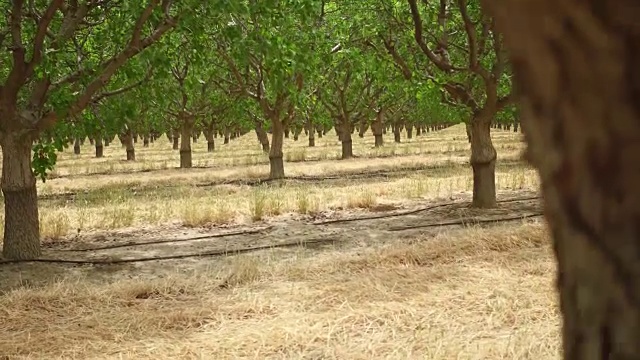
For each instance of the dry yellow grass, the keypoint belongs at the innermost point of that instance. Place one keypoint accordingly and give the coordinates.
(118, 194)
(466, 294)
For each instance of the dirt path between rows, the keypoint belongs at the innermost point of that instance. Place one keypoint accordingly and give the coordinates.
(152, 253)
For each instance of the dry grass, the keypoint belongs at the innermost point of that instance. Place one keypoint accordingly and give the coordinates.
(116, 194)
(463, 294)
(466, 294)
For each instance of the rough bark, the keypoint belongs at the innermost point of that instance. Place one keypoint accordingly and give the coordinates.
(396, 133)
(263, 138)
(585, 142)
(276, 162)
(346, 140)
(483, 163)
(312, 136)
(377, 127)
(176, 140)
(99, 147)
(186, 161)
(21, 222)
(127, 140)
(211, 143)
(76, 146)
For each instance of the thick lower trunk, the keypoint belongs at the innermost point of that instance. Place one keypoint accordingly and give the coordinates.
(226, 138)
(377, 128)
(276, 163)
(99, 147)
(286, 134)
(409, 132)
(186, 131)
(176, 141)
(320, 134)
(76, 146)
(345, 138)
(21, 220)
(347, 147)
(312, 139)
(483, 162)
(131, 150)
(418, 131)
(145, 140)
(396, 135)
(378, 140)
(209, 134)
(263, 138)
(107, 142)
(578, 91)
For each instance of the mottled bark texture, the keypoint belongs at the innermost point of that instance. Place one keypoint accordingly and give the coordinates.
(577, 67)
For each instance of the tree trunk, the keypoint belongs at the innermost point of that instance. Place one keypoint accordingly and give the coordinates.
(176, 140)
(396, 133)
(211, 143)
(76, 146)
(483, 162)
(377, 127)
(128, 143)
(515, 127)
(107, 141)
(276, 163)
(286, 133)
(263, 138)
(578, 86)
(91, 141)
(320, 133)
(345, 139)
(21, 220)
(99, 147)
(418, 131)
(296, 134)
(312, 138)
(409, 131)
(226, 138)
(145, 140)
(469, 130)
(186, 161)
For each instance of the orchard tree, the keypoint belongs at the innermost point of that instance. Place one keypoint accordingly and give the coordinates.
(584, 143)
(52, 68)
(265, 48)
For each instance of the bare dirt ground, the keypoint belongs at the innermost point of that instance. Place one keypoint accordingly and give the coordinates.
(401, 269)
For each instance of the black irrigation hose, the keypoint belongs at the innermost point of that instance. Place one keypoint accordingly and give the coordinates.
(261, 247)
(467, 221)
(212, 253)
(415, 211)
(164, 241)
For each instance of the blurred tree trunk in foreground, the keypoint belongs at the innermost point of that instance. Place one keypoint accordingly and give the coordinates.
(577, 68)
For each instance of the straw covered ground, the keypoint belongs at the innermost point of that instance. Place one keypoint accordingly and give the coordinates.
(378, 257)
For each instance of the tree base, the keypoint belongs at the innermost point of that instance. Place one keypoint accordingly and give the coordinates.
(131, 155)
(312, 142)
(378, 140)
(99, 151)
(21, 224)
(185, 159)
(484, 185)
(211, 146)
(276, 167)
(347, 149)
